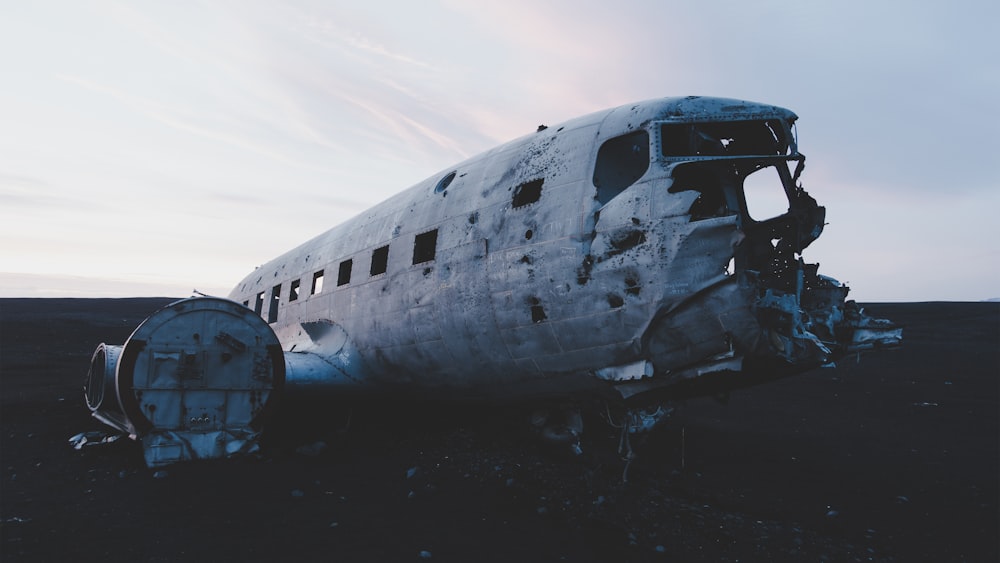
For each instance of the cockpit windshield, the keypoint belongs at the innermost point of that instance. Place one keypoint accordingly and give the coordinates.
(768, 137)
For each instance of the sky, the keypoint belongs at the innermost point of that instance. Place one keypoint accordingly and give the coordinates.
(155, 148)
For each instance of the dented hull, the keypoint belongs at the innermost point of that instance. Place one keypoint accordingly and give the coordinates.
(624, 254)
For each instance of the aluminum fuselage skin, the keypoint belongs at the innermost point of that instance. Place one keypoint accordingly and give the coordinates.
(521, 299)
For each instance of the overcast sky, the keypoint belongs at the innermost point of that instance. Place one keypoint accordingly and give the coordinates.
(152, 148)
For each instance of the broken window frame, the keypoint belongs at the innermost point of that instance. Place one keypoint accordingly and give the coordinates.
(621, 162)
(317, 283)
(737, 169)
(688, 140)
(293, 290)
(768, 253)
(755, 211)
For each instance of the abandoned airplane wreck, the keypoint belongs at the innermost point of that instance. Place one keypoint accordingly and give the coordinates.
(640, 254)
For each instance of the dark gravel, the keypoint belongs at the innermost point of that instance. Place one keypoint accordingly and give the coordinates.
(894, 458)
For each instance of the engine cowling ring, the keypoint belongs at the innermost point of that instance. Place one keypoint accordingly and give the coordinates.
(199, 364)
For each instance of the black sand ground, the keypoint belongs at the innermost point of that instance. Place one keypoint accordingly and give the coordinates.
(894, 458)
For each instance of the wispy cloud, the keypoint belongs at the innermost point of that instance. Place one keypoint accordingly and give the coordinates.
(187, 121)
(216, 116)
(33, 194)
(358, 41)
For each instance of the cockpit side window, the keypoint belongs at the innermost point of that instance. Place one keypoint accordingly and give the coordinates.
(620, 162)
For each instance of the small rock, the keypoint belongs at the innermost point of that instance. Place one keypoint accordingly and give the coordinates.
(424, 554)
(16, 520)
(334, 524)
(902, 500)
(660, 549)
(297, 493)
(412, 472)
(832, 513)
(161, 474)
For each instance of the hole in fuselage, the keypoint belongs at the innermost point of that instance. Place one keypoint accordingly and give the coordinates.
(537, 314)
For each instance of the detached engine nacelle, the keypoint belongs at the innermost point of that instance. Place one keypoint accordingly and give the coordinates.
(195, 380)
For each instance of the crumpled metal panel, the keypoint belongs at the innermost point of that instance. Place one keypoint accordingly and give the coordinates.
(163, 447)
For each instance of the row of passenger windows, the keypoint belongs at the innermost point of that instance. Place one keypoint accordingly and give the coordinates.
(620, 162)
(424, 250)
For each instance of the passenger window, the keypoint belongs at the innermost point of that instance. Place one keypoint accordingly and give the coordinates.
(293, 291)
(380, 260)
(272, 309)
(258, 304)
(344, 276)
(620, 162)
(424, 246)
(317, 285)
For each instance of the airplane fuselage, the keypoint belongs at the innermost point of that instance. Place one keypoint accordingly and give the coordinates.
(551, 263)
(624, 254)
